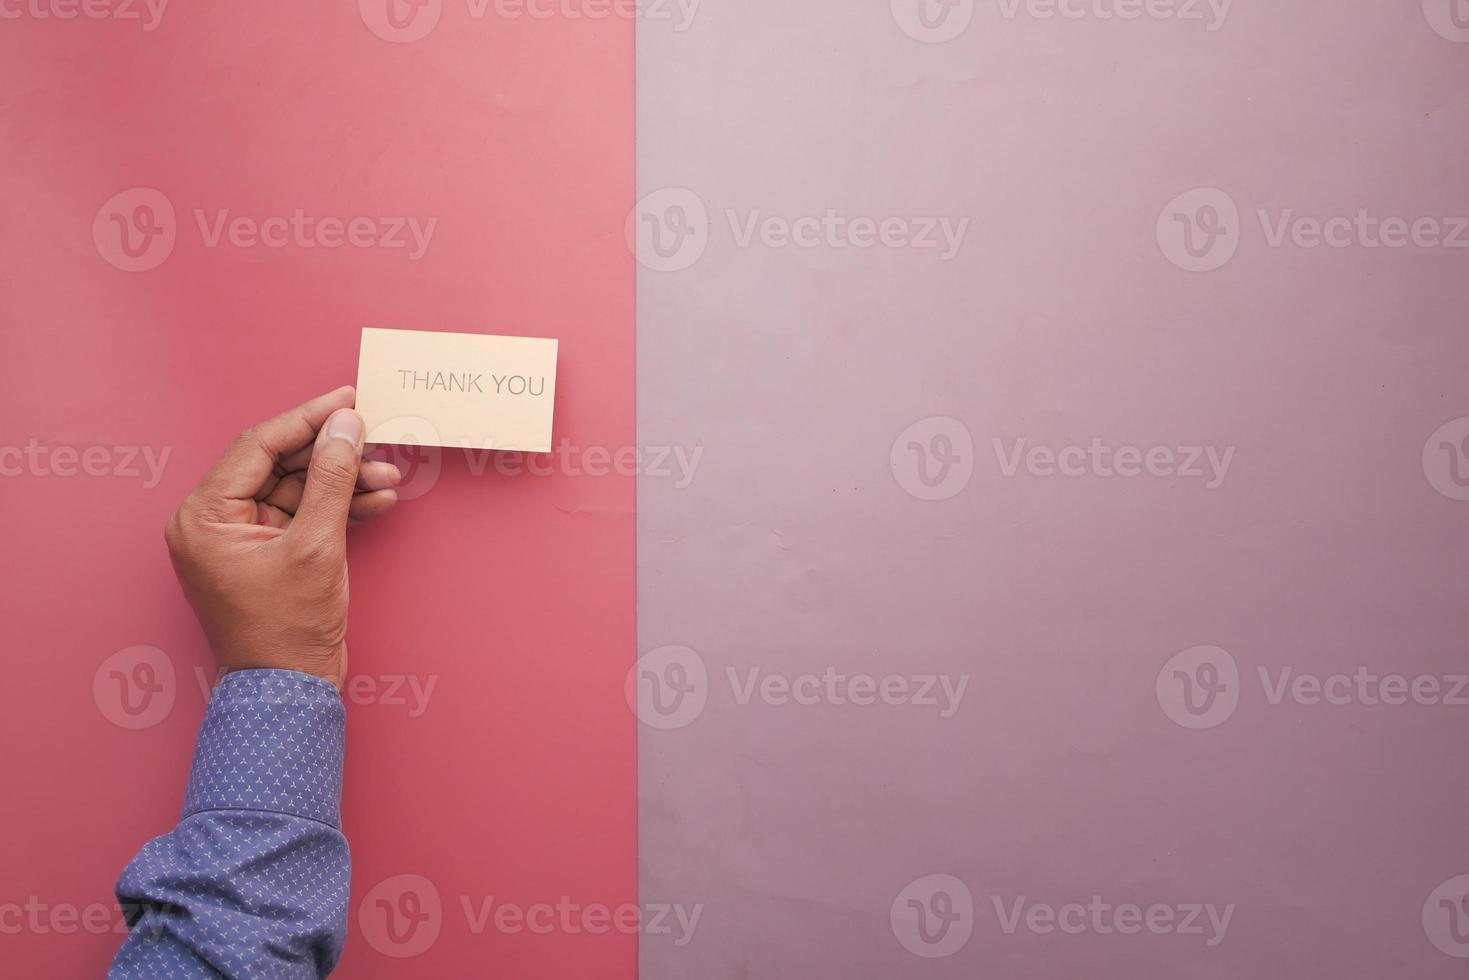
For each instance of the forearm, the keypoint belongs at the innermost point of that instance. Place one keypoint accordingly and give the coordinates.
(253, 881)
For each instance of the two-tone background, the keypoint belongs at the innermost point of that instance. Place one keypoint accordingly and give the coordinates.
(1008, 516)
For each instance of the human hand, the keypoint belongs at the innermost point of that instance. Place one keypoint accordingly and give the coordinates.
(260, 545)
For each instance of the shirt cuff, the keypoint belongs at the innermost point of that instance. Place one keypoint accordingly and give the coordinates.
(271, 740)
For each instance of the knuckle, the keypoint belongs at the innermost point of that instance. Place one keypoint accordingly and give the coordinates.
(334, 472)
(254, 440)
(181, 535)
(195, 510)
(173, 532)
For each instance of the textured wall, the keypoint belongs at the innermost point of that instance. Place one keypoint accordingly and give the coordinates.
(1138, 468)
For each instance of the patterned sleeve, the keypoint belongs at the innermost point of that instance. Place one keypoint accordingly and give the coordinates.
(253, 881)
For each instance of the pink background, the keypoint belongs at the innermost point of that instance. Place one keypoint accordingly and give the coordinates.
(515, 593)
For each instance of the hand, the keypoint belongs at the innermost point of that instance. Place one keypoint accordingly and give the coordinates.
(260, 545)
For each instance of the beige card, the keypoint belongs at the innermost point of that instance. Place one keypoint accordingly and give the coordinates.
(466, 390)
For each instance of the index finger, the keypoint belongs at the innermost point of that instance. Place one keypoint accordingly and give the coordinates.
(251, 458)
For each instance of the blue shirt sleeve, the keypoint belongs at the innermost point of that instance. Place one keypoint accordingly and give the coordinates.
(253, 881)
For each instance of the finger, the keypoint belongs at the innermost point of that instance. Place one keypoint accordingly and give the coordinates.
(270, 516)
(366, 506)
(371, 477)
(321, 518)
(375, 474)
(298, 460)
(287, 493)
(249, 462)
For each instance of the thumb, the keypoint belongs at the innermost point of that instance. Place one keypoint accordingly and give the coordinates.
(331, 480)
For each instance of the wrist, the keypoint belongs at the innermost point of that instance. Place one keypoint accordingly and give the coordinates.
(324, 665)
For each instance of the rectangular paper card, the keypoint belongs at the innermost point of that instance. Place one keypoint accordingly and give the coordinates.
(464, 390)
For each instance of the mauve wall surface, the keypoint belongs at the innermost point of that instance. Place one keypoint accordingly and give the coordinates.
(1082, 596)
